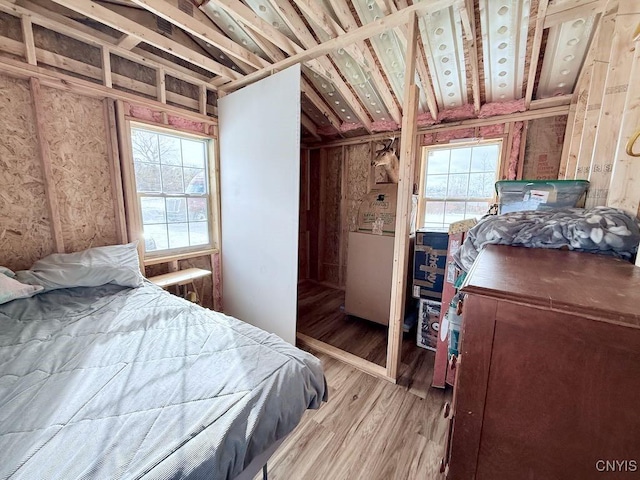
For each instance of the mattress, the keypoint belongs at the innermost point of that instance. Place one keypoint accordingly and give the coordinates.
(112, 382)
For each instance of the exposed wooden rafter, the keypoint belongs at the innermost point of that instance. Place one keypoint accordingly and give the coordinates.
(240, 14)
(310, 126)
(119, 22)
(421, 65)
(128, 41)
(74, 29)
(202, 31)
(362, 33)
(349, 22)
(535, 51)
(465, 7)
(564, 12)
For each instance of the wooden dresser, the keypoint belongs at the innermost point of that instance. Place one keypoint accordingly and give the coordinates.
(548, 381)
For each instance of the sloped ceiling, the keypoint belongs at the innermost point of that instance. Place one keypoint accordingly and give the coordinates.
(359, 88)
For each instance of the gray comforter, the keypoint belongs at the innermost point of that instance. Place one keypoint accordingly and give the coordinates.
(598, 229)
(112, 382)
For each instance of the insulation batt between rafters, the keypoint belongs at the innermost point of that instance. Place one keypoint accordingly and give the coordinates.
(515, 150)
(501, 108)
(462, 112)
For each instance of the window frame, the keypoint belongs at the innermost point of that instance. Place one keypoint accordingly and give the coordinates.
(134, 212)
(423, 199)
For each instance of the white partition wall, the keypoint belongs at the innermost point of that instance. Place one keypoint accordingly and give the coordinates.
(259, 187)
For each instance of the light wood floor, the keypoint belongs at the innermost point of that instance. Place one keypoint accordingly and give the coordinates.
(320, 316)
(369, 429)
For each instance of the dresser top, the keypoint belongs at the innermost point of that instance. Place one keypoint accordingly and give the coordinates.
(574, 282)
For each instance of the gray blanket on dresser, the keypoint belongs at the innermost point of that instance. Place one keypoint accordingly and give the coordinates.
(598, 229)
(112, 382)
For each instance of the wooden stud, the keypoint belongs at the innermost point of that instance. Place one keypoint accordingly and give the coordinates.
(310, 126)
(47, 169)
(132, 207)
(362, 33)
(74, 29)
(61, 81)
(343, 217)
(321, 214)
(535, 51)
(405, 190)
(113, 153)
(29, 43)
(618, 84)
(523, 147)
(125, 25)
(106, 68)
(161, 85)
(507, 151)
(202, 99)
(69, 64)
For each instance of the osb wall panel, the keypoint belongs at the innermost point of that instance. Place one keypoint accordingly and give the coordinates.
(332, 225)
(77, 139)
(25, 234)
(543, 150)
(358, 171)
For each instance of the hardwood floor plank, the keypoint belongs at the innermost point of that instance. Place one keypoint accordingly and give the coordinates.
(369, 429)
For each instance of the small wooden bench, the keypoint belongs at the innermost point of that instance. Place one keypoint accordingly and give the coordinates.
(179, 277)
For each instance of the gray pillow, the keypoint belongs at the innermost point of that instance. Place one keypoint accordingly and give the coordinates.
(118, 264)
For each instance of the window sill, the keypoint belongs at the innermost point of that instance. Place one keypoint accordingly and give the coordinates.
(178, 256)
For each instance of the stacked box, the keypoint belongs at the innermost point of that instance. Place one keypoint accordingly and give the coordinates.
(430, 258)
(428, 324)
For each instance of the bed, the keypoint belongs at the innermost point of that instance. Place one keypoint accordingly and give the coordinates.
(113, 382)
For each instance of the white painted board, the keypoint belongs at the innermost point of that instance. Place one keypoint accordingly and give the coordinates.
(259, 192)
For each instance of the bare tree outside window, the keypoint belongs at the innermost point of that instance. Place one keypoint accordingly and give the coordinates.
(458, 182)
(172, 184)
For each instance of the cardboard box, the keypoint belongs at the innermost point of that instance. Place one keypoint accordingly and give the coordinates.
(429, 264)
(428, 324)
(377, 212)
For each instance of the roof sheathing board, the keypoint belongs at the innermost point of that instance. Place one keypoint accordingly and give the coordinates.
(504, 27)
(566, 49)
(444, 49)
(390, 50)
(354, 74)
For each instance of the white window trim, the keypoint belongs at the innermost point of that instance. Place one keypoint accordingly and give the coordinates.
(134, 213)
(422, 199)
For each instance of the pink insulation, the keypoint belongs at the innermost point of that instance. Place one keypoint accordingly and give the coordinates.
(489, 131)
(384, 126)
(348, 126)
(425, 119)
(501, 108)
(144, 113)
(185, 124)
(459, 113)
(515, 151)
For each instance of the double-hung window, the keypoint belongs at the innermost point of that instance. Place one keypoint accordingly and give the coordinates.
(457, 182)
(172, 183)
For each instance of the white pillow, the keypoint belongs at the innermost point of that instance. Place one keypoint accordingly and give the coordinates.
(97, 266)
(11, 289)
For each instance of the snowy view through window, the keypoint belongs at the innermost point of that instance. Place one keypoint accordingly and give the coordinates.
(172, 185)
